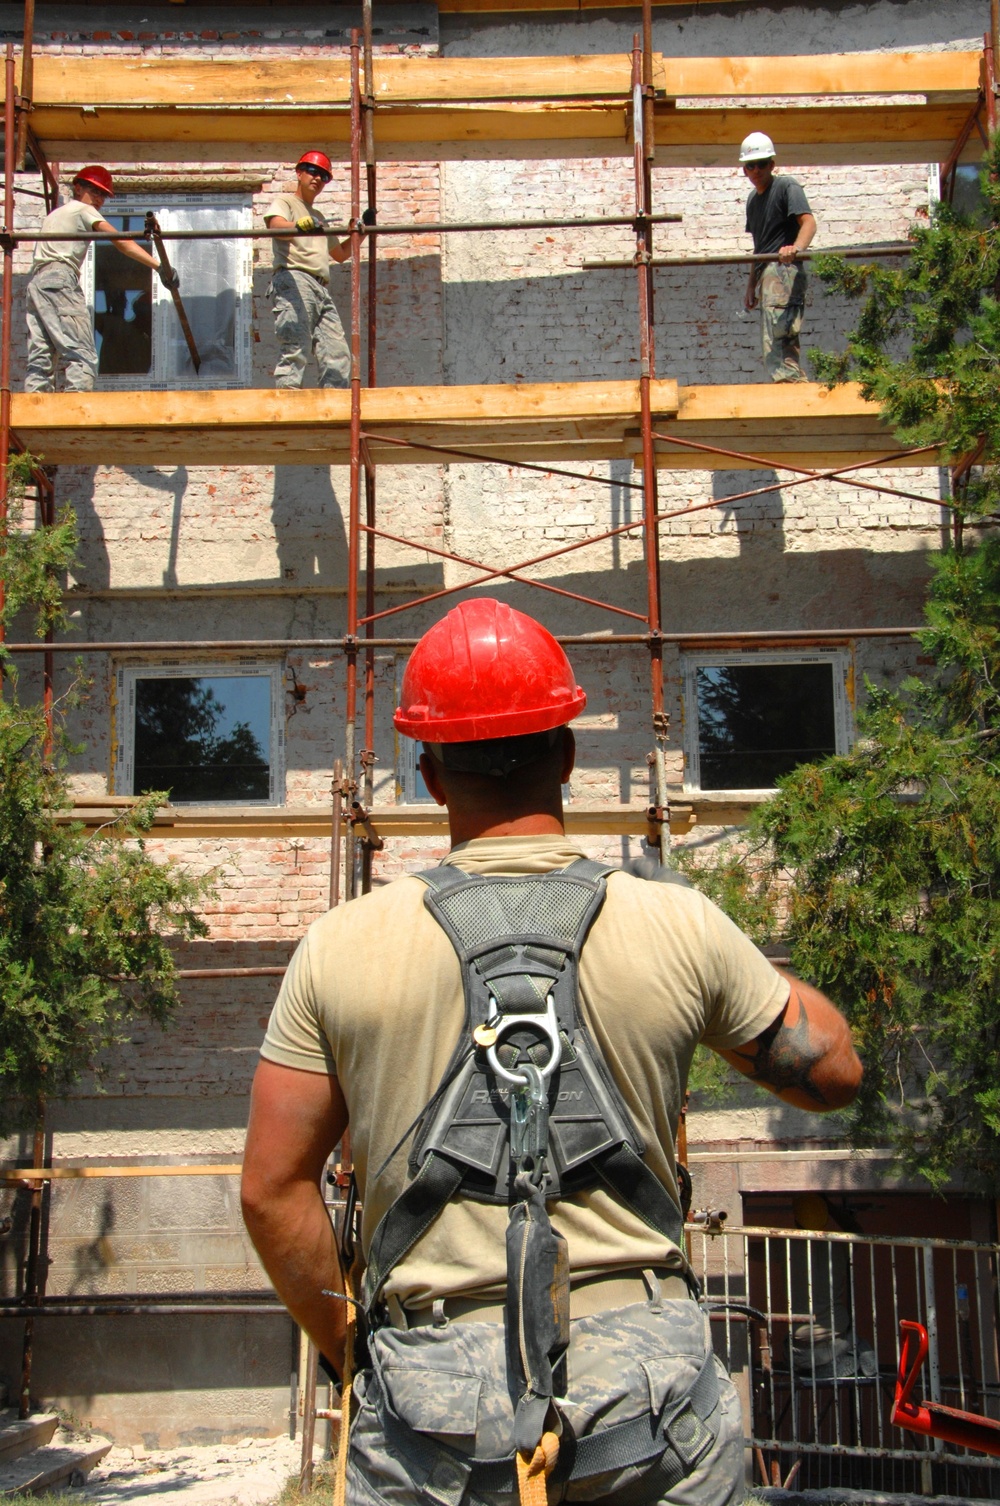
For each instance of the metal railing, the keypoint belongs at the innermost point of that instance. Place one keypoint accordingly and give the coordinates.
(810, 1336)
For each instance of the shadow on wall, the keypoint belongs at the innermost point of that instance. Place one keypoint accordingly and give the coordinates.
(764, 588)
(75, 487)
(308, 527)
(758, 522)
(583, 326)
(173, 483)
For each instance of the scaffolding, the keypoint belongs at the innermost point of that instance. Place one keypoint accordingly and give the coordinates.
(352, 427)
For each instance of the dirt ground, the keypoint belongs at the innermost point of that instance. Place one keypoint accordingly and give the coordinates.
(253, 1472)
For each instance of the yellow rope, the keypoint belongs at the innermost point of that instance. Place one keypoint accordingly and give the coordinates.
(347, 1380)
(533, 1471)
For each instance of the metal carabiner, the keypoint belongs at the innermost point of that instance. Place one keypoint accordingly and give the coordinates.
(549, 1026)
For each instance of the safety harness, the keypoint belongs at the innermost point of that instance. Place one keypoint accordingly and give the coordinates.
(528, 1112)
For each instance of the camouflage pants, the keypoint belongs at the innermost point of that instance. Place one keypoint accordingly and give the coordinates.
(436, 1406)
(305, 320)
(60, 328)
(781, 294)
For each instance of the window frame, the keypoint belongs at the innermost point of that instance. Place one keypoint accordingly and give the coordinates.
(123, 750)
(157, 380)
(841, 662)
(406, 752)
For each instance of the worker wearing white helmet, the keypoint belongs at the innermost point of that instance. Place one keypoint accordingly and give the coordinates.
(527, 1290)
(305, 317)
(782, 225)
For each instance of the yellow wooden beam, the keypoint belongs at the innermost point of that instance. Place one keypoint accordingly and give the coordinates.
(288, 822)
(80, 1173)
(313, 427)
(581, 421)
(437, 108)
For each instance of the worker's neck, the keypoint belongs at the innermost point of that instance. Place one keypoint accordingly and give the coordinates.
(468, 826)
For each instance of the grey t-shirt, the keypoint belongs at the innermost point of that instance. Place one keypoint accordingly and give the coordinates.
(69, 219)
(772, 216)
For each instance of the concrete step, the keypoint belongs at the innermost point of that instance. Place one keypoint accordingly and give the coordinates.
(51, 1465)
(20, 1435)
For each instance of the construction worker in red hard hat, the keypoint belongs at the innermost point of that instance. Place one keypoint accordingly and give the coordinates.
(305, 317)
(782, 225)
(509, 1034)
(60, 325)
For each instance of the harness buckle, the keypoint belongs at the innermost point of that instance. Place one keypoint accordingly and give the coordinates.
(547, 1023)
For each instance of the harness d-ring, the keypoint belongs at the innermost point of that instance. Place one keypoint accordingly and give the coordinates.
(546, 1023)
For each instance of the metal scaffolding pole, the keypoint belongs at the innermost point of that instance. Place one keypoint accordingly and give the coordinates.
(368, 752)
(643, 148)
(7, 303)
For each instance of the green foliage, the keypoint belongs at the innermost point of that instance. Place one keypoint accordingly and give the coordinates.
(927, 343)
(882, 869)
(86, 923)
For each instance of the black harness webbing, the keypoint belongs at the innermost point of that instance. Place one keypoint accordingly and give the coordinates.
(518, 940)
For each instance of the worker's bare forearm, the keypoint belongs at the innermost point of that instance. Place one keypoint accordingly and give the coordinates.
(135, 251)
(806, 1057)
(295, 1240)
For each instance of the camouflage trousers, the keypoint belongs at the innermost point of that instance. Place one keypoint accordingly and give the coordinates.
(434, 1416)
(60, 329)
(305, 319)
(781, 294)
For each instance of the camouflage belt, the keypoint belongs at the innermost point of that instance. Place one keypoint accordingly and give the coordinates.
(591, 1295)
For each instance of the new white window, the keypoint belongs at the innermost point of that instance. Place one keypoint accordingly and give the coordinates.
(750, 717)
(410, 787)
(210, 734)
(140, 343)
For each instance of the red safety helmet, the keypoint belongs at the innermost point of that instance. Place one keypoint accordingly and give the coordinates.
(96, 177)
(486, 671)
(316, 159)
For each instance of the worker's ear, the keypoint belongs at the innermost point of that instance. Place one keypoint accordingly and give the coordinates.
(569, 755)
(432, 780)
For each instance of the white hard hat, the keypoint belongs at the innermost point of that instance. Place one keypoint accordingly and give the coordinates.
(756, 147)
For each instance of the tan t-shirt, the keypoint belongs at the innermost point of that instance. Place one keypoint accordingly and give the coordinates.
(72, 218)
(374, 995)
(303, 254)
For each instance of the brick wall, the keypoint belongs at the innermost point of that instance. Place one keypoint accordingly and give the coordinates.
(260, 552)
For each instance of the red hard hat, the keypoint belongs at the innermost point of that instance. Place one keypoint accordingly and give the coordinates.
(315, 159)
(96, 177)
(486, 671)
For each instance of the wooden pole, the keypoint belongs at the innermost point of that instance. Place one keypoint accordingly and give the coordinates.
(153, 230)
(27, 79)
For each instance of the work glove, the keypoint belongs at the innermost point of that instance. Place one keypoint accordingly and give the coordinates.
(170, 277)
(306, 223)
(368, 217)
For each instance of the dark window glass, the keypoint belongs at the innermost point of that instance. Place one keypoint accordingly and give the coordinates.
(968, 196)
(759, 721)
(204, 738)
(123, 306)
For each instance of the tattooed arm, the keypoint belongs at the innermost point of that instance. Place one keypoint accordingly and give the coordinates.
(805, 1056)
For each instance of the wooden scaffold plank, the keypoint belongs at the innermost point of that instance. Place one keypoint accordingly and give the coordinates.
(896, 107)
(558, 421)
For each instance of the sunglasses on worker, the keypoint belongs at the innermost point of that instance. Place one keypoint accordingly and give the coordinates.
(315, 172)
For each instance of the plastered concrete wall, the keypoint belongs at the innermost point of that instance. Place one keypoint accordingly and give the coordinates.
(260, 552)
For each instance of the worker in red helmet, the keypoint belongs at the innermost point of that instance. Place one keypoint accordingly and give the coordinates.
(60, 325)
(509, 1034)
(305, 316)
